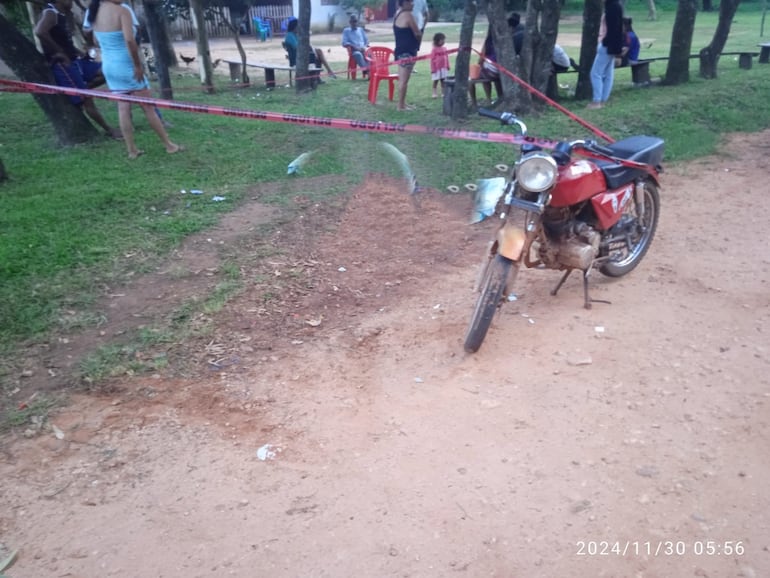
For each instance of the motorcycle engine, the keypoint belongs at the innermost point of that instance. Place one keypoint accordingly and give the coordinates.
(573, 244)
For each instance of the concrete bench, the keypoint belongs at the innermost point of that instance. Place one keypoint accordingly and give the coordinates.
(744, 58)
(764, 52)
(487, 84)
(268, 67)
(640, 73)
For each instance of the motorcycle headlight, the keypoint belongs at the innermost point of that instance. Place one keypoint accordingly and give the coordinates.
(537, 172)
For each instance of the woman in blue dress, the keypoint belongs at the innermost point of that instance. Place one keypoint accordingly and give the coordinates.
(114, 31)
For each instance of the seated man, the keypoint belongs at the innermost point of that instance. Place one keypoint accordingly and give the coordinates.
(71, 68)
(355, 40)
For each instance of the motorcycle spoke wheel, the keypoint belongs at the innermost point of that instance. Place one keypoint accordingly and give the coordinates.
(624, 259)
(496, 278)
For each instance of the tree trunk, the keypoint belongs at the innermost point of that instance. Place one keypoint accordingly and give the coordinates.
(542, 28)
(69, 123)
(592, 17)
(506, 56)
(236, 19)
(165, 57)
(202, 43)
(678, 70)
(707, 6)
(708, 62)
(3, 174)
(235, 27)
(652, 13)
(709, 56)
(463, 61)
(303, 80)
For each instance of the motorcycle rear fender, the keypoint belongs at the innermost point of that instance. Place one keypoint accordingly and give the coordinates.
(510, 241)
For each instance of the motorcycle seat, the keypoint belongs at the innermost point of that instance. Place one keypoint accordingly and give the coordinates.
(642, 149)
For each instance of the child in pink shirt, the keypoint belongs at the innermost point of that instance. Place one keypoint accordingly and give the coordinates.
(439, 62)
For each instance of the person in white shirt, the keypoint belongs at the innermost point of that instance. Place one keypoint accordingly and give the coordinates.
(561, 61)
(420, 13)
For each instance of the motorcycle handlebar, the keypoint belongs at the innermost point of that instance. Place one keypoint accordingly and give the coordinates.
(505, 118)
(564, 149)
(490, 113)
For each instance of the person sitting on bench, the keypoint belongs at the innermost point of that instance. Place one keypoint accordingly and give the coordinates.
(630, 54)
(316, 56)
(560, 61)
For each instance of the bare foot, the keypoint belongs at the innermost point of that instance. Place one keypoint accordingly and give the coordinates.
(135, 154)
(174, 148)
(115, 134)
(594, 105)
(407, 107)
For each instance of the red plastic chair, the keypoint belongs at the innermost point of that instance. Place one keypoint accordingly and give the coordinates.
(380, 60)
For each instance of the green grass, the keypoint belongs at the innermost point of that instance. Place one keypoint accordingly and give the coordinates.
(32, 414)
(74, 222)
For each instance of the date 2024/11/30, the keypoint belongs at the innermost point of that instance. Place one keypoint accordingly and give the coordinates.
(659, 548)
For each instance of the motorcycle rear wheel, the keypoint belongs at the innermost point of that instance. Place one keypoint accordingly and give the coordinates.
(643, 235)
(496, 277)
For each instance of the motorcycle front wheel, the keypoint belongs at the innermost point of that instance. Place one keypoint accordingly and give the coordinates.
(629, 257)
(501, 272)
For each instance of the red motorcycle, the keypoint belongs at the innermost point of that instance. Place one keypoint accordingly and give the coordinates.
(599, 210)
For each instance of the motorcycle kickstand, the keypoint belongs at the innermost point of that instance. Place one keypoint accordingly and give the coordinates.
(587, 298)
(555, 290)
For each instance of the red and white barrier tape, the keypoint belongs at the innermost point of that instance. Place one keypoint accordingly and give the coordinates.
(338, 123)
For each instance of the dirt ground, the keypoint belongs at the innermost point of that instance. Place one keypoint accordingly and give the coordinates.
(338, 428)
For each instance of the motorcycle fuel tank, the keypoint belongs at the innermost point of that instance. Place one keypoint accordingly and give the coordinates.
(577, 181)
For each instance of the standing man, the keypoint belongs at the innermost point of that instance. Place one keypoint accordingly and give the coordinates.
(71, 68)
(420, 13)
(354, 39)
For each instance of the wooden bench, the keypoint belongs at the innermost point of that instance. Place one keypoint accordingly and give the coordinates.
(764, 53)
(269, 68)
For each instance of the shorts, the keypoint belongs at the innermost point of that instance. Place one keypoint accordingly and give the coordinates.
(408, 60)
(440, 74)
(77, 75)
(489, 70)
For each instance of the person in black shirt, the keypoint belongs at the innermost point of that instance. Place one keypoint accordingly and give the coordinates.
(518, 30)
(408, 37)
(71, 67)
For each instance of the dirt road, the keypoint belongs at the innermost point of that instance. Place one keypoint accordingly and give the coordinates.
(349, 435)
